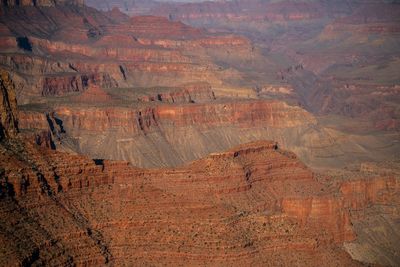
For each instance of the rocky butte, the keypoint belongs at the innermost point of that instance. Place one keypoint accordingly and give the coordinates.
(268, 136)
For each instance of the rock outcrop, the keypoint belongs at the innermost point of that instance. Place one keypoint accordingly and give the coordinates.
(93, 94)
(188, 93)
(142, 62)
(122, 215)
(143, 51)
(253, 204)
(134, 133)
(155, 92)
(8, 106)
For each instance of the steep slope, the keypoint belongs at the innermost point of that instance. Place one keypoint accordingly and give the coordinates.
(8, 107)
(120, 228)
(341, 58)
(344, 48)
(61, 49)
(146, 135)
(55, 66)
(141, 64)
(255, 204)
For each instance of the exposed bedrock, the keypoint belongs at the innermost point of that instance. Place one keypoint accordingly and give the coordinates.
(253, 204)
(8, 106)
(120, 214)
(112, 87)
(145, 136)
(49, 56)
(188, 93)
(38, 76)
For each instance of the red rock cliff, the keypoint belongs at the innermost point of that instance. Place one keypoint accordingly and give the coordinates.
(223, 209)
(246, 114)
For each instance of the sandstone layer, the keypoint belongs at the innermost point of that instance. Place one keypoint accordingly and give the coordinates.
(63, 49)
(320, 79)
(346, 44)
(255, 204)
(60, 53)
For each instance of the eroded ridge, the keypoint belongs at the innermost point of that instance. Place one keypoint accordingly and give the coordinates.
(255, 204)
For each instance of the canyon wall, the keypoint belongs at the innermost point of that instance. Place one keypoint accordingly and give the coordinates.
(147, 61)
(8, 107)
(254, 204)
(244, 10)
(145, 136)
(155, 92)
(340, 46)
(150, 52)
(38, 3)
(119, 214)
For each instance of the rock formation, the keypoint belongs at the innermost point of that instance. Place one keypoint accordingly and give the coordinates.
(39, 3)
(146, 61)
(143, 51)
(335, 30)
(243, 10)
(214, 126)
(8, 107)
(253, 204)
(194, 105)
(93, 94)
(188, 93)
(154, 92)
(115, 224)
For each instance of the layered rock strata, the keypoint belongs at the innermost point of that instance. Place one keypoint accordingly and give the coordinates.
(145, 136)
(119, 214)
(254, 204)
(97, 49)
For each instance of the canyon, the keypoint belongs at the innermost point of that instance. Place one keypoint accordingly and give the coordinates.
(159, 61)
(224, 133)
(254, 204)
(316, 36)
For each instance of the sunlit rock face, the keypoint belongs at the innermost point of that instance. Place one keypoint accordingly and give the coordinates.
(253, 204)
